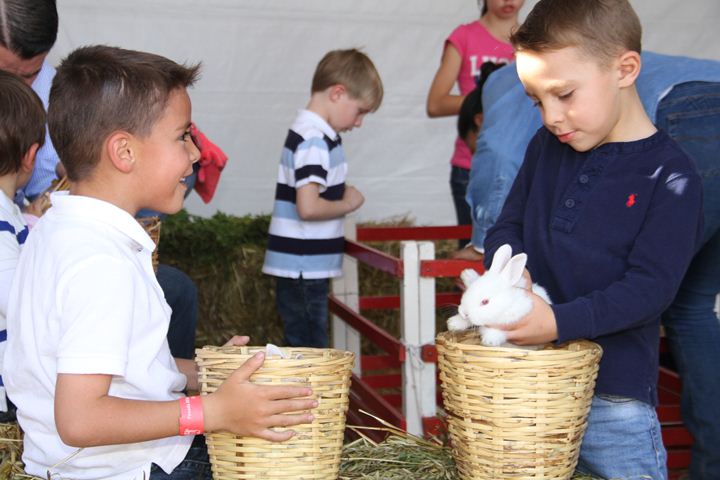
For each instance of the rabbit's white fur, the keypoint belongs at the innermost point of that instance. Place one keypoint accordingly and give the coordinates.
(497, 297)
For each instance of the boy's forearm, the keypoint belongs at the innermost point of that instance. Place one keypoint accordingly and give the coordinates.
(322, 209)
(87, 417)
(312, 207)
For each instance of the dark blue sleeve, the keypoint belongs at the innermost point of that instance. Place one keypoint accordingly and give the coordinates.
(657, 262)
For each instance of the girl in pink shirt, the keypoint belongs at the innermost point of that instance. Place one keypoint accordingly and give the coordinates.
(466, 49)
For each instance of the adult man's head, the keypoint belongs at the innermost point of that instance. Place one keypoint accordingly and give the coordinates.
(28, 29)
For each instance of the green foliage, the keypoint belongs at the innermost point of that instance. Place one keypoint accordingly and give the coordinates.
(211, 240)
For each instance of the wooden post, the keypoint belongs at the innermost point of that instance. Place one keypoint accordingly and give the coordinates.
(347, 290)
(417, 313)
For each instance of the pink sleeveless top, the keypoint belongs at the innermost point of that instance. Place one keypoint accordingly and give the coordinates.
(476, 46)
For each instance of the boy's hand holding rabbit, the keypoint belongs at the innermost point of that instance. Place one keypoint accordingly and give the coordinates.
(504, 301)
(535, 328)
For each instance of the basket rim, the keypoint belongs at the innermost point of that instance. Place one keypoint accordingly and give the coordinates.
(450, 340)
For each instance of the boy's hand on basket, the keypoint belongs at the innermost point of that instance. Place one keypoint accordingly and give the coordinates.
(250, 410)
(535, 328)
(237, 341)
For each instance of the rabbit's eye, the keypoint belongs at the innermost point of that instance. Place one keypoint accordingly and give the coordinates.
(484, 301)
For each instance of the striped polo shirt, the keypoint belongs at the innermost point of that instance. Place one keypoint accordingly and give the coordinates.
(312, 154)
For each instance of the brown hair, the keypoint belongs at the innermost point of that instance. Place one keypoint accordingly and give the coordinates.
(352, 69)
(602, 29)
(28, 28)
(22, 121)
(98, 90)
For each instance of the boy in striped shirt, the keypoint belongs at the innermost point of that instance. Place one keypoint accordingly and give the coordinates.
(306, 240)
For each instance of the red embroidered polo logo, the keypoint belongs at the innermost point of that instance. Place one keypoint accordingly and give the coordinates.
(631, 200)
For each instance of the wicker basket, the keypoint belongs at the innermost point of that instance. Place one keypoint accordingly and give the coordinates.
(152, 227)
(514, 413)
(314, 452)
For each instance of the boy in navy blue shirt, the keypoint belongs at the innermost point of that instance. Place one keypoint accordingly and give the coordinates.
(609, 211)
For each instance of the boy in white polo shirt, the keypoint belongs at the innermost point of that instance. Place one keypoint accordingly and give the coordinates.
(88, 363)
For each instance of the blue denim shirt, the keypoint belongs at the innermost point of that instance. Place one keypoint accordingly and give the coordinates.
(510, 121)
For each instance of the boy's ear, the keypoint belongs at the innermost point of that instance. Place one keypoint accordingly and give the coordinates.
(119, 149)
(336, 91)
(27, 164)
(629, 64)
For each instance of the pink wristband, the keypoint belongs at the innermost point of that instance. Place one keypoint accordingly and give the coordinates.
(191, 416)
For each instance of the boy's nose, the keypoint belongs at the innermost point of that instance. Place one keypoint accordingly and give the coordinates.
(194, 151)
(553, 116)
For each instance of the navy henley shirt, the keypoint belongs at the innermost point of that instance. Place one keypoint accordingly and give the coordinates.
(609, 233)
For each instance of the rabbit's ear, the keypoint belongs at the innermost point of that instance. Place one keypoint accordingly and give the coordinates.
(501, 258)
(468, 276)
(513, 271)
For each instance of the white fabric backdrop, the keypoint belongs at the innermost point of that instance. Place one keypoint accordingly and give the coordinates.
(259, 56)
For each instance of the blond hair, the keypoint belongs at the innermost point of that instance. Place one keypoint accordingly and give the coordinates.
(352, 69)
(602, 29)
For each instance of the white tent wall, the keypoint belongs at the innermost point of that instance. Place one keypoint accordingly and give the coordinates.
(258, 58)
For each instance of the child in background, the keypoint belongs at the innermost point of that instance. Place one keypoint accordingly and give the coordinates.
(99, 375)
(470, 116)
(609, 211)
(306, 241)
(22, 133)
(466, 49)
(469, 122)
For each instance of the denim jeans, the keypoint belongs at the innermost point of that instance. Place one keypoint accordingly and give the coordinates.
(691, 115)
(622, 441)
(181, 294)
(195, 466)
(303, 307)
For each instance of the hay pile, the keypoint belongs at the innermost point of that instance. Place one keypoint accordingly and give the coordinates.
(224, 256)
(400, 456)
(11, 466)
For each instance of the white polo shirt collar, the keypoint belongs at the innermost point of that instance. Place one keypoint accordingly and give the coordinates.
(97, 210)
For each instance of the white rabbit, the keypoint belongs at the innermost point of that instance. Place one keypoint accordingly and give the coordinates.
(497, 297)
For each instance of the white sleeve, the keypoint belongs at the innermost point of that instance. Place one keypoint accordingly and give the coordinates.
(95, 306)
